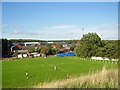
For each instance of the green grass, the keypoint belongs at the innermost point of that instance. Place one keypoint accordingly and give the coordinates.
(0, 75)
(41, 70)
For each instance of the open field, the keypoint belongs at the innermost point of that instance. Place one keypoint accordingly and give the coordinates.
(41, 70)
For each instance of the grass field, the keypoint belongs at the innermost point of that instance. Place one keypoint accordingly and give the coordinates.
(41, 70)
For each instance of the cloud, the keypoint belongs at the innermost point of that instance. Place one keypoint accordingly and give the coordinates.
(70, 32)
(4, 26)
(105, 32)
(64, 27)
(17, 33)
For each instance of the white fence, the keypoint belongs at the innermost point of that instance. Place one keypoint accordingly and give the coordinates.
(99, 58)
(104, 59)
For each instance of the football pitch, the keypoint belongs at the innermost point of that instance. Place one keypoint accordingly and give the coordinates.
(42, 70)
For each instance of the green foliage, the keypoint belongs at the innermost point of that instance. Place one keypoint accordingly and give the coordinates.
(38, 50)
(54, 51)
(77, 51)
(24, 40)
(88, 45)
(31, 50)
(71, 41)
(92, 45)
(110, 49)
(32, 40)
(72, 47)
(50, 50)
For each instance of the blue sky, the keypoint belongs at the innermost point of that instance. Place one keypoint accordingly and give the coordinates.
(60, 20)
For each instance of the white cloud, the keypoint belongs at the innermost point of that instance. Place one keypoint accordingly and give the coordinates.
(17, 33)
(105, 32)
(67, 32)
(4, 26)
(64, 27)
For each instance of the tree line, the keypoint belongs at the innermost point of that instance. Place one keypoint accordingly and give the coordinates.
(92, 45)
(32, 40)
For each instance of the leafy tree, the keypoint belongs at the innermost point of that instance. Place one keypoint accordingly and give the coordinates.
(88, 45)
(72, 47)
(51, 51)
(91, 45)
(44, 50)
(38, 50)
(111, 49)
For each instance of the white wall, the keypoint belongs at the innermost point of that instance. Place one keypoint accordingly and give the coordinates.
(19, 56)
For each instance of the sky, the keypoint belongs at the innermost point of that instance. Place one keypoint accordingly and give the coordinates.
(59, 20)
(60, 0)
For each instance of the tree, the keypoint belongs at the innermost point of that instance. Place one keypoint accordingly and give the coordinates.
(72, 47)
(6, 47)
(38, 50)
(50, 50)
(110, 49)
(44, 51)
(88, 45)
(91, 45)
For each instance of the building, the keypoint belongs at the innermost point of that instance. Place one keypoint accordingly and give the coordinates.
(22, 53)
(50, 42)
(66, 46)
(31, 43)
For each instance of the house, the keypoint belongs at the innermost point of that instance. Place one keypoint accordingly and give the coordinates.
(66, 46)
(22, 53)
(26, 49)
(19, 51)
(17, 47)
